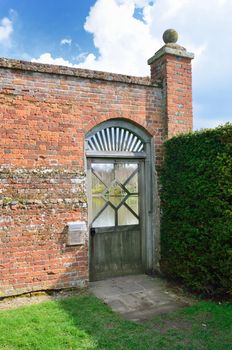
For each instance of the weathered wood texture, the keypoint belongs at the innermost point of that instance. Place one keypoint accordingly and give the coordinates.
(115, 252)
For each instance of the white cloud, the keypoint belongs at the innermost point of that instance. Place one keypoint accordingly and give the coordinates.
(66, 41)
(125, 43)
(136, 3)
(6, 29)
(204, 27)
(81, 57)
(48, 59)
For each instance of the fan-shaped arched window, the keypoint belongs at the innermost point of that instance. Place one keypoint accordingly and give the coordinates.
(121, 138)
(115, 139)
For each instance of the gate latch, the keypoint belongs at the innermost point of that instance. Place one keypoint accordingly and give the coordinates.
(92, 231)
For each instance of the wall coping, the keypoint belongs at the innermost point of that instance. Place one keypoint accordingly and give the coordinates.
(9, 63)
(171, 49)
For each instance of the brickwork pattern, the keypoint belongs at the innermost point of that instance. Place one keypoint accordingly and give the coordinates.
(45, 113)
(174, 74)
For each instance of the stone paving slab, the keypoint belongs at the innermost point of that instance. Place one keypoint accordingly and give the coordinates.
(138, 297)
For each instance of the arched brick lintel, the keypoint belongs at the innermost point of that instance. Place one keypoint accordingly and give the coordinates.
(139, 122)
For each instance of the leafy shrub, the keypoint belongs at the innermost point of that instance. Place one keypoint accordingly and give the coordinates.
(196, 202)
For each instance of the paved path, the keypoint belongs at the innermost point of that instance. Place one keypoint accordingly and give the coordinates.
(138, 297)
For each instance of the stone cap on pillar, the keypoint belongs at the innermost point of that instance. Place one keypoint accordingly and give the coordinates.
(170, 38)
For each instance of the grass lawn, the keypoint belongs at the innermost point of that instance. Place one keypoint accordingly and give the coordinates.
(84, 322)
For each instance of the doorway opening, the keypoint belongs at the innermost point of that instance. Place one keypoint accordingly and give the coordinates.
(120, 199)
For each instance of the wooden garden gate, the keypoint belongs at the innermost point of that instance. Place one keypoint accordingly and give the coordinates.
(117, 187)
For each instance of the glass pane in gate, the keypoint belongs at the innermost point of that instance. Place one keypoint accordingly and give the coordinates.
(125, 217)
(115, 197)
(124, 170)
(106, 218)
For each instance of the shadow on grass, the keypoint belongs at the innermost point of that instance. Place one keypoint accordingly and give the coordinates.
(202, 326)
(107, 329)
(83, 322)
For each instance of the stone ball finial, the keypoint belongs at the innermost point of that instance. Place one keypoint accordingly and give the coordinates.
(170, 36)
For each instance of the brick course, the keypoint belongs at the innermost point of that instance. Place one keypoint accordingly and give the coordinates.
(45, 113)
(171, 68)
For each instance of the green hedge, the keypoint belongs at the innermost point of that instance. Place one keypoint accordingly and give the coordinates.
(196, 203)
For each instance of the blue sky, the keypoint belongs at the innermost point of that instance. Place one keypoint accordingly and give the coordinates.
(39, 26)
(120, 35)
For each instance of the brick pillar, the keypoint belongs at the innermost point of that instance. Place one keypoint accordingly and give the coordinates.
(171, 67)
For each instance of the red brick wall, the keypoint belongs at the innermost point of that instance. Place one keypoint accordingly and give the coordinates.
(45, 112)
(174, 74)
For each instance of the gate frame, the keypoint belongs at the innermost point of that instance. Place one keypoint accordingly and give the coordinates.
(150, 202)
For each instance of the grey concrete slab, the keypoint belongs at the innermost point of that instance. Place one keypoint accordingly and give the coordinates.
(138, 297)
